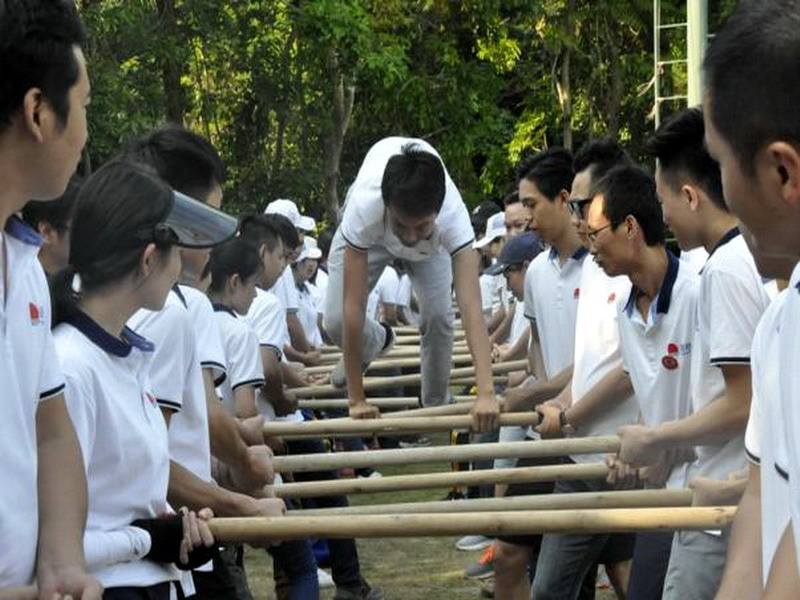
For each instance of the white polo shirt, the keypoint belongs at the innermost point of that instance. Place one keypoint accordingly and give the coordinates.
(552, 291)
(286, 291)
(207, 332)
(519, 324)
(597, 350)
(384, 292)
(404, 292)
(364, 221)
(657, 350)
(308, 315)
(122, 434)
(789, 350)
(242, 355)
(764, 433)
(177, 380)
(731, 301)
(487, 284)
(321, 290)
(29, 373)
(267, 318)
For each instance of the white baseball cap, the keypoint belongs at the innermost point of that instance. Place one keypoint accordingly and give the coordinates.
(289, 209)
(311, 248)
(495, 227)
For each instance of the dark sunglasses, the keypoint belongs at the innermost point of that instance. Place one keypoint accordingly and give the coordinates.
(577, 205)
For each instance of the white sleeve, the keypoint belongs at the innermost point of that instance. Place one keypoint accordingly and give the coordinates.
(455, 227)
(529, 295)
(51, 379)
(82, 409)
(244, 358)
(752, 436)
(208, 336)
(388, 285)
(105, 548)
(487, 292)
(171, 332)
(268, 322)
(404, 292)
(735, 311)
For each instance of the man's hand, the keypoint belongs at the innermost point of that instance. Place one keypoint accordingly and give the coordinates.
(621, 476)
(485, 414)
(656, 475)
(256, 471)
(550, 419)
(67, 582)
(715, 492)
(517, 378)
(312, 358)
(286, 405)
(252, 430)
(363, 410)
(638, 445)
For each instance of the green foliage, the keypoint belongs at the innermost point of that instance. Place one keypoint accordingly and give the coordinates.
(477, 78)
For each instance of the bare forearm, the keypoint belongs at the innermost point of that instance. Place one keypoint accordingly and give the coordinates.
(714, 423)
(353, 308)
(186, 489)
(742, 577)
(610, 391)
(520, 348)
(244, 398)
(296, 333)
(226, 443)
(465, 270)
(496, 319)
(504, 329)
(783, 581)
(61, 488)
(291, 376)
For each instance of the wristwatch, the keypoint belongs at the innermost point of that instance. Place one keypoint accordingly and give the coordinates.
(566, 428)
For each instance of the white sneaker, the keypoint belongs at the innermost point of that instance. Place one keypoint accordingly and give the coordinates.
(325, 580)
(473, 542)
(373, 475)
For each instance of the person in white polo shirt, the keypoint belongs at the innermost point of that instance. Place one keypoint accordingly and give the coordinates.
(298, 347)
(42, 133)
(755, 138)
(657, 323)
(492, 285)
(382, 300)
(124, 256)
(403, 204)
(731, 301)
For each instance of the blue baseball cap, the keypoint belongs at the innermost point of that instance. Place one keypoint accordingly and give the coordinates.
(524, 247)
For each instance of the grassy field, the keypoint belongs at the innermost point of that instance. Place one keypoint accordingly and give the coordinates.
(405, 569)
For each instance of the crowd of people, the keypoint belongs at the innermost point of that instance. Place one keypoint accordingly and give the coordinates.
(147, 335)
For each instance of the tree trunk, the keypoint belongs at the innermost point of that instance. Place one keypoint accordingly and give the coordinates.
(174, 96)
(615, 83)
(565, 86)
(343, 98)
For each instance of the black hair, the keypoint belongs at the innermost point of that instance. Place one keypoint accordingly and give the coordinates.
(37, 41)
(115, 218)
(550, 170)
(56, 213)
(510, 199)
(234, 257)
(751, 69)
(287, 231)
(258, 230)
(480, 216)
(414, 182)
(679, 146)
(324, 242)
(630, 190)
(185, 160)
(601, 155)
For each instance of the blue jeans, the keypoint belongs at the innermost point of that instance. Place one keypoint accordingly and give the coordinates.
(649, 567)
(295, 570)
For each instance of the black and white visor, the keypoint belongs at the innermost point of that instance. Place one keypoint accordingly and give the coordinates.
(193, 224)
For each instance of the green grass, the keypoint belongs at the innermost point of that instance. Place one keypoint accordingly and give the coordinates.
(404, 568)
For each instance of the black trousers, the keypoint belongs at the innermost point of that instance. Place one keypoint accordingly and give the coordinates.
(154, 592)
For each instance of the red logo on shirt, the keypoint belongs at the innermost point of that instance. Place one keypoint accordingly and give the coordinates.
(611, 297)
(35, 314)
(670, 363)
(577, 293)
(672, 348)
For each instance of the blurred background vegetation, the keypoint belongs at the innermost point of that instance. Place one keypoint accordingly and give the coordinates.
(294, 93)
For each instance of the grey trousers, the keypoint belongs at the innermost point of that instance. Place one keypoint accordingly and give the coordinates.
(695, 565)
(432, 280)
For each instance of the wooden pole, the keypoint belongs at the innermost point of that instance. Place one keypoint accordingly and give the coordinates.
(378, 383)
(390, 363)
(574, 501)
(423, 481)
(397, 403)
(464, 453)
(612, 520)
(397, 352)
(386, 425)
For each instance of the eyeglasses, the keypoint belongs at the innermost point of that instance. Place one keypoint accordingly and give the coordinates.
(577, 205)
(592, 235)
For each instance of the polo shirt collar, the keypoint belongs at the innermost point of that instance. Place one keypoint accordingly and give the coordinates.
(176, 288)
(578, 255)
(664, 298)
(730, 235)
(20, 230)
(120, 346)
(218, 307)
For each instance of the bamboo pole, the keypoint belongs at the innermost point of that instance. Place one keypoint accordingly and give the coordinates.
(397, 352)
(462, 453)
(377, 383)
(423, 481)
(398, 403)
(573, 501)
(611, 520)
(387, 425)
(390, 363)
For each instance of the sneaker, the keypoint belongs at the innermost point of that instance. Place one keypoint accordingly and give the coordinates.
(469, 543)
(363, 592)
(338, 377)
(416, 442)
(325, 580)
(484, 568)
(373, 475)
